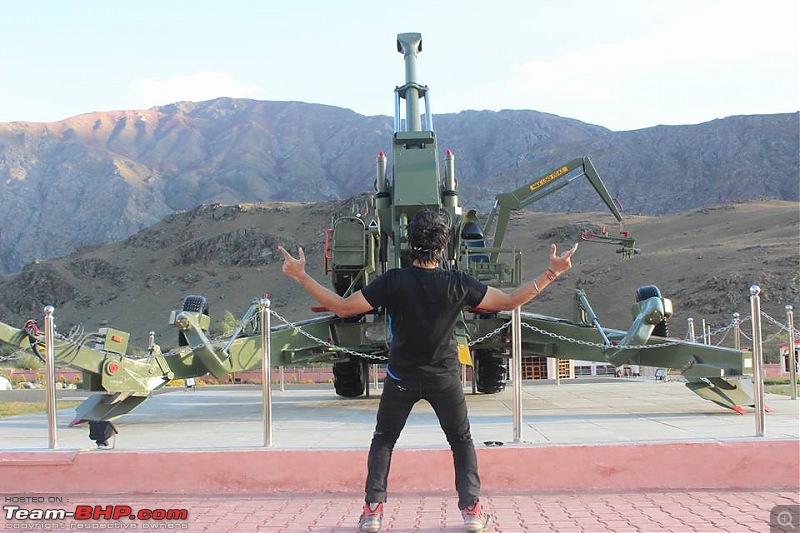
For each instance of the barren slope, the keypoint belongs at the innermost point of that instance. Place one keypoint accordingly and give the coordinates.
(705, 260)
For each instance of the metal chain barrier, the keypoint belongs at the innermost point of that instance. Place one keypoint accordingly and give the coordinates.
(13, 355)
(326, 343)
(774, 322)
(597, 344)
(488, 335)
(367, 355)
(498, 330)
(723, 329)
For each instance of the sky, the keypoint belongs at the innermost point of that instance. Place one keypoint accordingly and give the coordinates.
(622, 64)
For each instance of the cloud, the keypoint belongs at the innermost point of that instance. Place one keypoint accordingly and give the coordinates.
(736, 57)
(197, 87)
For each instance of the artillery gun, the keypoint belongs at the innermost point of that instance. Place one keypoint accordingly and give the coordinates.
(359, 246)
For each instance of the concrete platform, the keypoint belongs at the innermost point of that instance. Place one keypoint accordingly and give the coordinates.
(587, 412)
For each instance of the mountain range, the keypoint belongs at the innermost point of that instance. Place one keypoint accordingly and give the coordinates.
(102, 177)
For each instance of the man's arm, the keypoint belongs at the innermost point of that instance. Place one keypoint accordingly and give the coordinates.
(497, 300)
(355, 304)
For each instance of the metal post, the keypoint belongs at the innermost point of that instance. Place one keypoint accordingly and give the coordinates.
(558, 370)
(705, 338)
(758, 358)
(428, 115)
(516, 359)
(692, 338)
(50, 393)
(396, 111)
(708, 335)
(365, 373)
(792, 353)
(266, 369)
(282, 375)
(151, 340)
(737, 338)
(474, 373)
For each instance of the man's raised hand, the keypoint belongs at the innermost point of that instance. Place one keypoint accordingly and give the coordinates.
(294, 268)
(561, 263)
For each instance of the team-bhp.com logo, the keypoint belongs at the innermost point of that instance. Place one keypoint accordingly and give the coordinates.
(93, 517)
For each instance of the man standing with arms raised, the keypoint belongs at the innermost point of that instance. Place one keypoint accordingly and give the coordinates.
(423, 302)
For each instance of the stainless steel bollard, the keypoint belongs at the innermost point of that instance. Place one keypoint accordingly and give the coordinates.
(792, 352)
(282, 376)
(737, 338)
(516, 374)
(50, 392)
(692, 338)
(705, 338)
(266, 369)
(758, 358)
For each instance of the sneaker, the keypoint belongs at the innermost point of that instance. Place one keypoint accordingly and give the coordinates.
(371, 518)
(475, 521)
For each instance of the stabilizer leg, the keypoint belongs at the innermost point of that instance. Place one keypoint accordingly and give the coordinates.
(725, 393)
(106, 407)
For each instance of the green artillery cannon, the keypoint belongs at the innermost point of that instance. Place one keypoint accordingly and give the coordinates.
(359, 246)
(125, 382)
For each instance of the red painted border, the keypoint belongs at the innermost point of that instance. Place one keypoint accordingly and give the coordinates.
(769, 464)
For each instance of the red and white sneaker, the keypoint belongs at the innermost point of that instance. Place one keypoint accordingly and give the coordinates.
(475, 521)
(371, 518)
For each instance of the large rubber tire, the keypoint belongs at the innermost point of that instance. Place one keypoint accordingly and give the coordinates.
(195, 304)
(349, 379)
(649, 291)
(489, 372)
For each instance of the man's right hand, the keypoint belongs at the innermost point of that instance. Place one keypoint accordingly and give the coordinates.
(294, 268)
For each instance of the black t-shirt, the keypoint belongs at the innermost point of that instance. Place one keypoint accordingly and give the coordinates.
(423, 306)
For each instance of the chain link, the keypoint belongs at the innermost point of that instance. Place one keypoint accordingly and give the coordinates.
(775, 322)
(712, 334)
(372, 356)
(13, 355)
(597, 344)
(326, 343)
(488, 335)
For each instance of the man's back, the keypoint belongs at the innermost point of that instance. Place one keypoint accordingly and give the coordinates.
(423, 305)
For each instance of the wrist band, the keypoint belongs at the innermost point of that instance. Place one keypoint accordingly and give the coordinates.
(550, 274)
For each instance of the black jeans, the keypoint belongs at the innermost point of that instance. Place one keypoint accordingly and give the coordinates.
(447, 399)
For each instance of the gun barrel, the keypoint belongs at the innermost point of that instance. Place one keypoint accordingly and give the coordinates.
(409, 44)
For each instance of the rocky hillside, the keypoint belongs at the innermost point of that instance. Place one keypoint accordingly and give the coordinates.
(100, 177)
(704, 259)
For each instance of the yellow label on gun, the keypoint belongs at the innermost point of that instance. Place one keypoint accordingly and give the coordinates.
(547, 179)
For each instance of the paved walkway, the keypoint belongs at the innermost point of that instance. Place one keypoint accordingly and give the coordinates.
(675, 511)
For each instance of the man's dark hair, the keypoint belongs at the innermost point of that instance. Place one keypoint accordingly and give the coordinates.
(428, 234)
